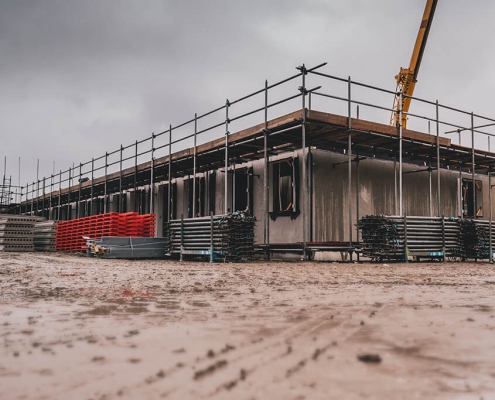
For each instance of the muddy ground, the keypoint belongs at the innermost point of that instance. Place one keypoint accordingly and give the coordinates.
(73, 327)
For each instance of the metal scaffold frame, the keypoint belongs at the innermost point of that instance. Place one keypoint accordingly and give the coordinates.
(171, 154)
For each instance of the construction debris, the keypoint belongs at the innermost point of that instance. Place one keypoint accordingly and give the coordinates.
(127, 247)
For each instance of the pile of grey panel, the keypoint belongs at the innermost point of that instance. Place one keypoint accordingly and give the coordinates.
(16, 233)
(44, 235)
(394, 238)
(230, 237)
(127, 247)
(474, 239)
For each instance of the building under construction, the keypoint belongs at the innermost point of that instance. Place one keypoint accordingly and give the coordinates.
(308, 156)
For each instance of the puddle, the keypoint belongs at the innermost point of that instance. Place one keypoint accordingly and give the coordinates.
(102, 310)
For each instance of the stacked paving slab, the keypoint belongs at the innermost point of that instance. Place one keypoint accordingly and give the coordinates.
(44, 235)
(17, 233)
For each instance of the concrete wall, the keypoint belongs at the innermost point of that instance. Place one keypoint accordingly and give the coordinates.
(329, 198)
(376, 193)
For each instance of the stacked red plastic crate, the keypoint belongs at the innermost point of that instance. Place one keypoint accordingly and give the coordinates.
(69, 236)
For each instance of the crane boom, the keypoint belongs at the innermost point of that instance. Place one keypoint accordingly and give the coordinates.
(407, 77)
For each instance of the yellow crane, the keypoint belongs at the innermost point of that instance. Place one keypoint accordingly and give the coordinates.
(407, 77)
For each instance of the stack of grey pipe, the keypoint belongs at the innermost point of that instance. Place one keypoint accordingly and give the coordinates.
(230, 237)
(16, 233)
(394, 238)
(44, 235)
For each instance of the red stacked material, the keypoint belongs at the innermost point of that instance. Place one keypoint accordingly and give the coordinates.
(69, 236)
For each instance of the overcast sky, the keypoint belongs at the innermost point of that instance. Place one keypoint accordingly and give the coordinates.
(78, 78)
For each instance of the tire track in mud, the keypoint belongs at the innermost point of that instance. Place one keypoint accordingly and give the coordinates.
(299, 352)
(286, 353)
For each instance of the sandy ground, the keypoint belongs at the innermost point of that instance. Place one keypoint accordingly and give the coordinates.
(73, 327)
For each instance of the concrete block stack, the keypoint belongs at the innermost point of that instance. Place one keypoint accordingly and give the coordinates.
(16, 233)
(44, 235)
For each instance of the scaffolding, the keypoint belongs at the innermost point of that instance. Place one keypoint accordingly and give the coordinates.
(206, 142)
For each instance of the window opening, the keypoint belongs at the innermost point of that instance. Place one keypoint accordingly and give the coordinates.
(467, 198)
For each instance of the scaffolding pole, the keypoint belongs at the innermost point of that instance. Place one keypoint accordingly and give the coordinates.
(91, 201)
(401, 210)
(152, 174)
(69, 216)
(226, 191)
(305, 204)
(59, 211)
(266, 215)
(121, 203)
(490, 253)
(349, 158)
(194, 164)
(105, 185)
(474, 166)
(169, 189)
(135, 177)
(437, 122)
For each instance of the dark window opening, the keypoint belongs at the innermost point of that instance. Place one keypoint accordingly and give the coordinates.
(243, 194)
(172, 206)
(212, 184)
(200, 197)
(470, 196)
(285, 188)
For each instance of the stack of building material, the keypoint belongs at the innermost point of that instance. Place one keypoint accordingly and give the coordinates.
(474, 239)
(230, 237)
(393, 238)
(44, 235)
(127, 247)
(16, 233)
(71, 234)
(381, 238)
(238, 235)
